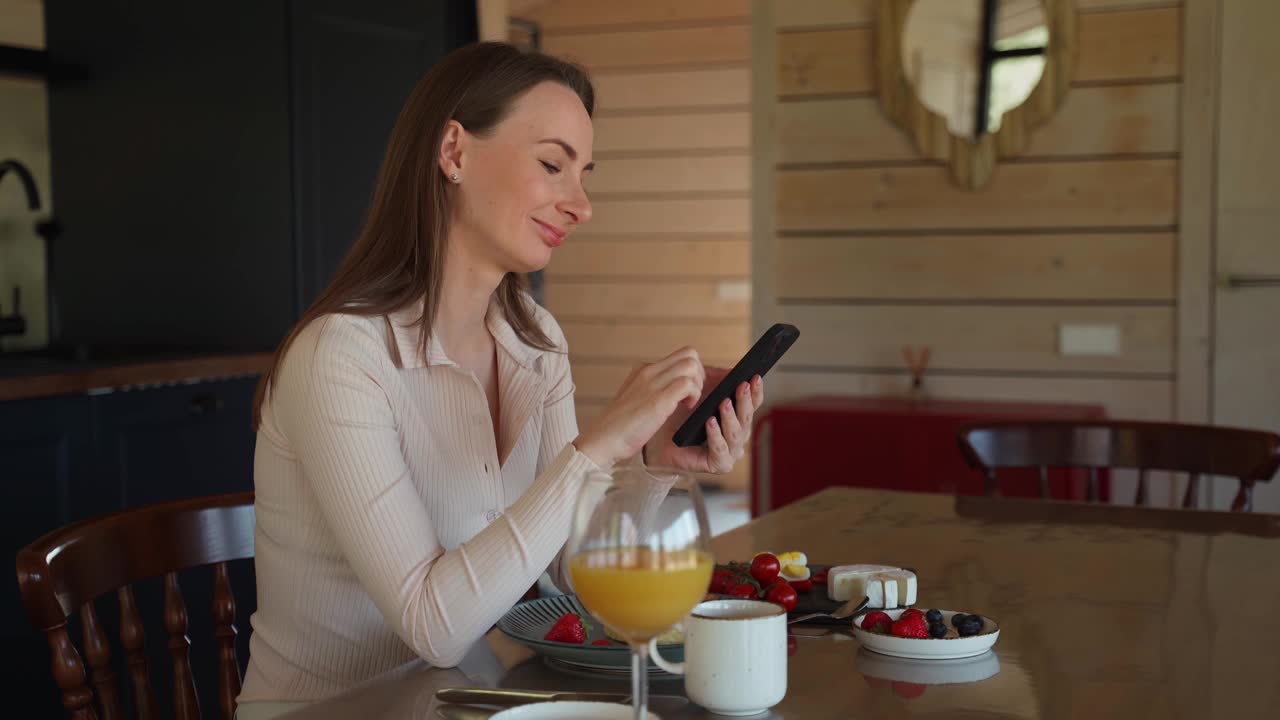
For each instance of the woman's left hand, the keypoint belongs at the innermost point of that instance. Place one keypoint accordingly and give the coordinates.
(726, 435)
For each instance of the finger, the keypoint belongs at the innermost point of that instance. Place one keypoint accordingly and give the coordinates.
(686, 367)
(682, 389)
(745, 407)
(757, 392)
(720, 458)
(729, 424)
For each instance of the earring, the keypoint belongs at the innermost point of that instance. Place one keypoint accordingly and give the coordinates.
(454, 177)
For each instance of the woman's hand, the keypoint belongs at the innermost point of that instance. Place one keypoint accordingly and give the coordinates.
(646, 400)
(726, 438)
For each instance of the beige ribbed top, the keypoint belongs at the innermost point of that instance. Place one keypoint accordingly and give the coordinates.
(391, 523)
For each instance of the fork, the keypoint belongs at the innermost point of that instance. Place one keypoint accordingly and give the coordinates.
(849, 609)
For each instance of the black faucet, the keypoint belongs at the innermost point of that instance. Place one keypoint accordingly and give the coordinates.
(15, 323)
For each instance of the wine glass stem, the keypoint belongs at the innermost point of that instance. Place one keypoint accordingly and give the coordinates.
(640, 680)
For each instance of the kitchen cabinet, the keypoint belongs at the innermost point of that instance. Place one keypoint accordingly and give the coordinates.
(213, 163)
(68, 458)
(45, 451)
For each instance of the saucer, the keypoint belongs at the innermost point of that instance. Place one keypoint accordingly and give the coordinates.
(569, 710)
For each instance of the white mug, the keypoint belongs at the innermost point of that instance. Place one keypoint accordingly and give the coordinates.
(735, 656)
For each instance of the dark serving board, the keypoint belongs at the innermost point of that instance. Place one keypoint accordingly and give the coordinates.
(816, 600)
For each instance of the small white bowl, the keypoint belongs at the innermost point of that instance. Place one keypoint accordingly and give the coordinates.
(949, 648)
(569, 710)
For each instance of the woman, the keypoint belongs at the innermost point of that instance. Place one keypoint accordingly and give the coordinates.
(418, 456)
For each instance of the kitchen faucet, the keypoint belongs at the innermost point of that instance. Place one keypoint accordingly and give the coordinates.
(15, 323)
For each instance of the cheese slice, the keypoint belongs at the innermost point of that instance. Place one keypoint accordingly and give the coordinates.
(845, 582)
(881, 592)
(903, 584)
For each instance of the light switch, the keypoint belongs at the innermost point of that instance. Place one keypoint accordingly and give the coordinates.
(1088, 339)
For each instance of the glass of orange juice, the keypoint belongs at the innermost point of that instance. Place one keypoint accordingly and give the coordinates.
(638, 557)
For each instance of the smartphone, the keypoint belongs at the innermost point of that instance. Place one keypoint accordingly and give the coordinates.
(772, 345)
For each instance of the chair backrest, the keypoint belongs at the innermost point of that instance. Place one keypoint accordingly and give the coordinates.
(1247, 455)
(64, 571)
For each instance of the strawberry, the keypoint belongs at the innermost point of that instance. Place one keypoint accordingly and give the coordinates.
(568, 629)
(910, 626)
(877, 622)
(910, 612)
(601, 641)
(802, 586)
(819, 578)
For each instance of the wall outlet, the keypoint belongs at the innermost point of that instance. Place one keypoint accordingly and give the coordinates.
(1088, 339)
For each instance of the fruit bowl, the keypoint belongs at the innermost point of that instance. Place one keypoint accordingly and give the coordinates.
(948, 648)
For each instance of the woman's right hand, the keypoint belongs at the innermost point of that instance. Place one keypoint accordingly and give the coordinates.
(644, 402)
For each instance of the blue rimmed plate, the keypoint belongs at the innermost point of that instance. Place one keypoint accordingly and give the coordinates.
(528, 622)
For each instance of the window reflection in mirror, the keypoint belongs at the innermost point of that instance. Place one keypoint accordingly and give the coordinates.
(971, 61)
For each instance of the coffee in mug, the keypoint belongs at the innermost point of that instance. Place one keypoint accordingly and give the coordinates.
(735, 656)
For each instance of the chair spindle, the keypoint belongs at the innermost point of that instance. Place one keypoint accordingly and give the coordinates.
(133, 638)
(98, 652)
(185, 704)
(1192, 497)
(68, 672)
(1140, 499)
(224, 619)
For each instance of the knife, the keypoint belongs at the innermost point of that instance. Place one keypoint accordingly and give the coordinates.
(494, 696)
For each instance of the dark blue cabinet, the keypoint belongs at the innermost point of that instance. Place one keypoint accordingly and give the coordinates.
(68, 458)
(163, 444)
(45, 455)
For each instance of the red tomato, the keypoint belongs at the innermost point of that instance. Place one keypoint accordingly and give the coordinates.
(802, 586)
(783, 595)
(765, 568)
(720, 582)
(743, 590)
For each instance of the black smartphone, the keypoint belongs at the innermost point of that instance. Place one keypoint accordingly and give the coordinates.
(772, 344)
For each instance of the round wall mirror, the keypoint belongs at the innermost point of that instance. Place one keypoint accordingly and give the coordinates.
(970, 79)
(971, 61)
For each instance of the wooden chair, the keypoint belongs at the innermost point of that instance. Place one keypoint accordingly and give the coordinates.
(67, 569)
(1247, 455)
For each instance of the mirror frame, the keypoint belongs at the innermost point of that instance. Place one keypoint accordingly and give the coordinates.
(972, 163)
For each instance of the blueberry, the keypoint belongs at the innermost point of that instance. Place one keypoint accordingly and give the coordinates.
(972, 625)
(937, 630)
(933, 616)
(957, 620)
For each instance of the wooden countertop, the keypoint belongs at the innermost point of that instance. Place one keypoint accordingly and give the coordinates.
(1104, 612)
(69, 381)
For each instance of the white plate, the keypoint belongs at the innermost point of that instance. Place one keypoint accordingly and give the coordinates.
(949, 648)
(569, 710)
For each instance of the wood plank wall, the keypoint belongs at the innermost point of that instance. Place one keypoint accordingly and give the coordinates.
(867, 248)
(665, 261)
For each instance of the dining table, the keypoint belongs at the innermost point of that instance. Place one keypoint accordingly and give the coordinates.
(1104, 611)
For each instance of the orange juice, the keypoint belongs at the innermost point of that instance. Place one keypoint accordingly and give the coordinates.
(638, 592)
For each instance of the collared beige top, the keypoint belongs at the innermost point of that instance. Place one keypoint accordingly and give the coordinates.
(391, 522)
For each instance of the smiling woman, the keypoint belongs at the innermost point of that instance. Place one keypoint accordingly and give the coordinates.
(418, 454)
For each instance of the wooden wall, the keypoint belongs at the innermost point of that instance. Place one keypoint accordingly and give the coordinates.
(868, 248)
(666, 260)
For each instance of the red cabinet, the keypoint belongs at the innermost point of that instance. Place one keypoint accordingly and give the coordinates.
(893, 443)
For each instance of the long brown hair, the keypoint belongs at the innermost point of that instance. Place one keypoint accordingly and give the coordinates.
(398, 258)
